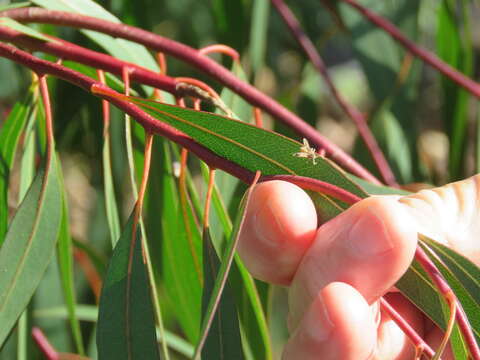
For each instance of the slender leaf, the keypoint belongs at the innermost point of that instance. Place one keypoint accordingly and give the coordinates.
(14, 25)
(454, 44)
(9, 136)
(180, 272)
(119, 48)
(65, 262)
(253, 320)
(223, 340)
(247, 145)
(110, 200)
(126, 321)
(29, 245)
(258, 32)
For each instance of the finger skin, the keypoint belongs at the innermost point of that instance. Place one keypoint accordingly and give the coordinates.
(339, 324)
(280, 225)
(369, 247)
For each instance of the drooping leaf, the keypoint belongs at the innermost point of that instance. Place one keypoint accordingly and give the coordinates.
(223, 340)
(126, 321)
(29, 245)
(9, 136)
(179, 269)
(65, 262)
(247, 145)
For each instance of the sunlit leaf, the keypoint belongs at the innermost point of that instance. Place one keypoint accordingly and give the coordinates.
(29, 245)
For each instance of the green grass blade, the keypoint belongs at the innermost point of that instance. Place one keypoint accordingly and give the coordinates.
(29, 245)
(9, 136)
(66, 262)
(126, 321)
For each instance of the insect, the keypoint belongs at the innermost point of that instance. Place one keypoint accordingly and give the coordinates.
(306, 151)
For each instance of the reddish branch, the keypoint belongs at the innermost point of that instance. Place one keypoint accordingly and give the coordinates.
(68, 51)
(448, 294)
(353, 113)
(202, 63)
(428, 57)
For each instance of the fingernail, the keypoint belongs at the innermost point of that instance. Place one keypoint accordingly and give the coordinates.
(368, 236)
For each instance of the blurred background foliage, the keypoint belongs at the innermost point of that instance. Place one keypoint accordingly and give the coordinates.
(424, 123)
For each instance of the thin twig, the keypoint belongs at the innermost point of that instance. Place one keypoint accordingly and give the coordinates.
(353, 113)
(420, 345)
(44, 345)
(203, 63)
(423, 54)
(448, 294)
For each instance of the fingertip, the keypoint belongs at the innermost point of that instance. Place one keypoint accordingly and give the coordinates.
(279, 227)
(339, 324)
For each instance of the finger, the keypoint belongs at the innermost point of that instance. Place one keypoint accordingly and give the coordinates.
(279, 227)
(449, 214)
(369, 247)
(339, 324)
(392, 343)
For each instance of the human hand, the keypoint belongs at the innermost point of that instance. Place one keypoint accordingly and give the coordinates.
(337, 273)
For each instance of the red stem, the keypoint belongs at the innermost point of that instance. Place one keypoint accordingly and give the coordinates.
(428, 57)
(447, 292)
(416, 339)
(69, 51)
(149, 123)
(44, 345)
(204, 64)
(352, 112)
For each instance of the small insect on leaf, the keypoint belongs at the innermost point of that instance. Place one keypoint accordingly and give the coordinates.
(306, 151)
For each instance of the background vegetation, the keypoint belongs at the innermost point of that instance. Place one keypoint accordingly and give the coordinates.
(425, 124)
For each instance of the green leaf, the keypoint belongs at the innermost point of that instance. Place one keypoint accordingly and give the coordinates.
(9, 135)
(14, 25)
(126, 321)
(119, 48)
(220, 348)
(454, 44)
(258, 33)
(65, 262)
(15, 5)
(223, 340)
(110, 200)
(247, 145)
(253, 320)
(29, 245)
(179, 269)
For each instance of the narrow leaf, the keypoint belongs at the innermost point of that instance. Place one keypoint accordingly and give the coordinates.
(223, 340)
(29, 245)
(126, 321)
(9, 135)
